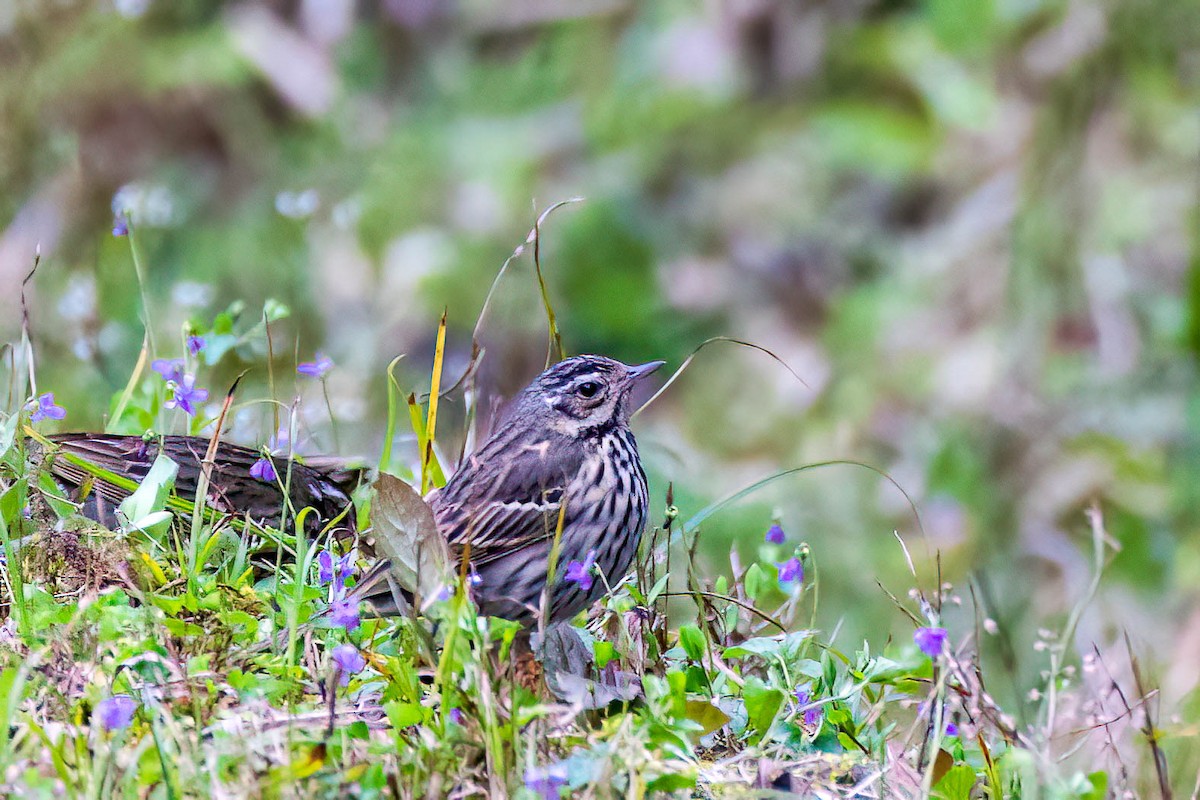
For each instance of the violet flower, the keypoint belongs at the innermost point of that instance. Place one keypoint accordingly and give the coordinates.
(329, 570)
(349, 661)
(344, 614)
(791, 570)
(812, 716)
(547, 781)
(580, 572)
(195, 344)
(115, 712)
(317, 368)
(171, 369)
(263, 470)
(775, 534)
(186, 396)
(930, 641)
(46, 409)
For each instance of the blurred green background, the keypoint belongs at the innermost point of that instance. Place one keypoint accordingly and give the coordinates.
(969, 225)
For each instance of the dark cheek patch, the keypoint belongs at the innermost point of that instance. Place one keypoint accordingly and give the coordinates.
(570, 408)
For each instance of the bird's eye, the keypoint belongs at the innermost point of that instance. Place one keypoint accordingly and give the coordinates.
(588, 389)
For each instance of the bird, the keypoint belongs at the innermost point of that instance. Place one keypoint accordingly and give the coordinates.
(564, 448)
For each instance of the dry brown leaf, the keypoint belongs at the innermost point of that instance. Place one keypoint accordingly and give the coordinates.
(405, 532)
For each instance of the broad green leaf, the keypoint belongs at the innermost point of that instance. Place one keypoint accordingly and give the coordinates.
(706, 715)
(691, 639)
(672, 782)
(145, 507)
(768, 646)
(603, 652)
(956, 784)
(755, 581)
(1098, 782)
(762, 704)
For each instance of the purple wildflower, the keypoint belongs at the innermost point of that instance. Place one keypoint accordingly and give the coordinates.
(951, 729)
(116, 712)
(120, 226)
(791, 570)
(317, 368)
(324, 566)
(457, 716)
(930, 641)
(171, 369)
(186, 396)
(195, 344)
(812, 716)
(547, 781)
(474, 579)
(263, 470)
(581, 571)
(329, 570)
(348, 660)
(775, 534)
(344, 613)
(46, 409)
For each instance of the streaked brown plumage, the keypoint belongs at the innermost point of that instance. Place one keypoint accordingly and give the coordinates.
(566, 439)
(323, 484)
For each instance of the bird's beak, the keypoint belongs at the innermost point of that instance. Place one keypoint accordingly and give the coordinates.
(642, 370)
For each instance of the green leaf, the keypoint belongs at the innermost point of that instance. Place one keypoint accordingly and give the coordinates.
(402, 714)
(1098, 782)
(768, 646)
(274, 310)
(762, 704)
(657, 589)
(603, 652)
(145, 507)
(671, 782)
(691, 639)
(178, 627)
(706, 715)
(755, 581)
(956, 784)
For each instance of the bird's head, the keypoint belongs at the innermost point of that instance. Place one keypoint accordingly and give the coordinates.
(585, 393)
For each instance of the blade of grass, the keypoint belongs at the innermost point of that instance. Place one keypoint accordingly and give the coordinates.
(554, 348)
(26, 340)
(393, 394)
(439, 356)
(202, 482)
(130, 386)
(141, 279)
(706, 512)
(417, 418)
(687, 362)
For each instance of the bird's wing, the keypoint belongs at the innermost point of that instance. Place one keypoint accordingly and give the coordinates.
(126, 456)
(507, 496)
(232, 489)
